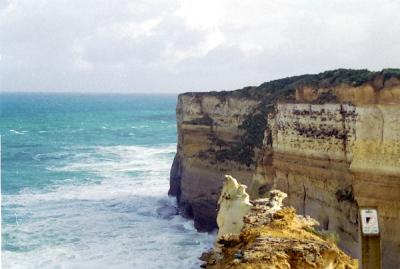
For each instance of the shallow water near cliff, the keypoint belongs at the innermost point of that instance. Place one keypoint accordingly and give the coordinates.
(85, 181)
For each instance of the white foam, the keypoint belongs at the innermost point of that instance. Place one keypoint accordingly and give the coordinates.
(108, 224)
(140, 126)
(17, 132)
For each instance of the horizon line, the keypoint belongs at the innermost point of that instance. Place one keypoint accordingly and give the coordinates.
(89, 93)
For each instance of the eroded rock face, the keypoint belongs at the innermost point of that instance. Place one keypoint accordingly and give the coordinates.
(330, 141)
(273, 237)
(333, 158)
(196, 177)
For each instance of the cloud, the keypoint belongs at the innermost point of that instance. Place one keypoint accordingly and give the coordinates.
(182, 45)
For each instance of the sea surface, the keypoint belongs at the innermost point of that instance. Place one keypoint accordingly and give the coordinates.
(84, 183)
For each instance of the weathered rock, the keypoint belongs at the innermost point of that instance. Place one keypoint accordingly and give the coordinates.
(233, 204)
(278, 238)
(330, 141)
(175, 178)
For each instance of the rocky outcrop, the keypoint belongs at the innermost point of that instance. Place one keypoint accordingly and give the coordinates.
(330, 141)
(272, 237)
(233, 204)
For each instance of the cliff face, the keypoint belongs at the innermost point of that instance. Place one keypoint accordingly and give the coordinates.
(330, 141)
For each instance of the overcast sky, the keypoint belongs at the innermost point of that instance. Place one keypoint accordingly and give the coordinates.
(175, 46)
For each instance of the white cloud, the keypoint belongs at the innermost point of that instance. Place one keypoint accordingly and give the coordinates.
(180, 45)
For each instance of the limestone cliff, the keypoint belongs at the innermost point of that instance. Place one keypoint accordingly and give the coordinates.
(331, 141)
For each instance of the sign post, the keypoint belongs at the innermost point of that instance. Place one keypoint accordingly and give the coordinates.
(370, 238)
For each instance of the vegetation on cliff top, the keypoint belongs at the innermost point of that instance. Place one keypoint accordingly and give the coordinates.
(282, 88)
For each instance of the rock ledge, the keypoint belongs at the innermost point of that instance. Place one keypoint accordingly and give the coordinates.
(272, 237)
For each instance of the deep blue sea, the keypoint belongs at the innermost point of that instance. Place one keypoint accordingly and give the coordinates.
(84, 183)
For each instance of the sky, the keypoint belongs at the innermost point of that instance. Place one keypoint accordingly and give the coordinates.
(170, 46)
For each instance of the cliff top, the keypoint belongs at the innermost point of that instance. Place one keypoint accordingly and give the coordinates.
(269, 91)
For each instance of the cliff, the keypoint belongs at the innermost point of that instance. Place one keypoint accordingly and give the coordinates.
(270, 236)
(331, 141)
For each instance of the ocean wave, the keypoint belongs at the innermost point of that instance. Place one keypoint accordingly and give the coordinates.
(52, 156)
(18, 132)
(140, 126)
(124, 221)
(102, 159)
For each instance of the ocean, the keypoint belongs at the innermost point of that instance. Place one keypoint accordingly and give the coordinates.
(84, 183)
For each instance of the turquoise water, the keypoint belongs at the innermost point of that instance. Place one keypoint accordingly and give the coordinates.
(85, 181)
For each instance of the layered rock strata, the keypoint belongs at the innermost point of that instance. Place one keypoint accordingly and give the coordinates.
(330, 141)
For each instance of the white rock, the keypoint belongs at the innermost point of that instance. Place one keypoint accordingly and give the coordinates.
(233, 203)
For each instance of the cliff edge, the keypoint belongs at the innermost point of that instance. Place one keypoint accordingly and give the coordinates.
(331, 141)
